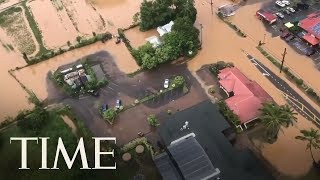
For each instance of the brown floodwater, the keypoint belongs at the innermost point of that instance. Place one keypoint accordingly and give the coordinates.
(138, 38)
(35, 76)
(117, 13)
(55, 25)
(220, 42)
(13, 97)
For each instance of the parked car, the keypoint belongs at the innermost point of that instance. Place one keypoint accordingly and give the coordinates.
(93, 93)
(289, 38)
(291, 9)
(280, 15)
(302, 6)
(285, 2)
(285, 35)
(104, 107)
(118, 103)
(287, 11)
(166, 83)
(310, 51)
(279, 3)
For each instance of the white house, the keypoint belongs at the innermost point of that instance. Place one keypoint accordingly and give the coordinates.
(165, 28)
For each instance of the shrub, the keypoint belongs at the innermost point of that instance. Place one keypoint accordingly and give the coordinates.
(110, 115)
(299, 82)
(152, 120)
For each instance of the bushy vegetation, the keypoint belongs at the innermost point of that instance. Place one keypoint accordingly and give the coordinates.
(152, 120)
(234, 27)
(229, 114)
(110, 115)
(216, 67)
(183, 40)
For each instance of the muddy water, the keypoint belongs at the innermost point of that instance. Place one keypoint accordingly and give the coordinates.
(112, 11)
(221, 43)
(35, 77)
(301, 64)
(13, 98)
(55, 25)
(138, 38)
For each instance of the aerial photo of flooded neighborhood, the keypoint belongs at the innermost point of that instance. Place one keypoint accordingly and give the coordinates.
(188, 89)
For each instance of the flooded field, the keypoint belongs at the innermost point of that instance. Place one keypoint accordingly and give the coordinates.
(13, 97)
(54, 23)
(138, 38)
(35, 76)
(220, 42)
(84, 16)
(113, 12)
(14, 23)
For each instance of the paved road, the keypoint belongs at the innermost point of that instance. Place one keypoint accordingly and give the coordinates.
(293, 98)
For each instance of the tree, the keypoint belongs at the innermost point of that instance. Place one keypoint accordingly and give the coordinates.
(110, 115)
(136, 18)
(152, 120)
(274, 116)
(149, 61)
(178, 80)
(312, 137)
(34, 121)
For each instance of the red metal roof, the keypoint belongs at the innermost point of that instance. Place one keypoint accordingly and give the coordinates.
(311, 39)
(310, 24)
(248, 95)
(271, 18)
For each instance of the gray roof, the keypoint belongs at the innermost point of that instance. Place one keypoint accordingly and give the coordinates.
(207, 124)
(99, 72)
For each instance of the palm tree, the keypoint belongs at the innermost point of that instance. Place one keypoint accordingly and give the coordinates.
(274, 116)
(312, 137)
(290, 113)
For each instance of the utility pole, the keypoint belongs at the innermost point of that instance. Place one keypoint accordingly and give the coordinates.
(264, 38)
(201, 26)
(283, 56)
(211, 7)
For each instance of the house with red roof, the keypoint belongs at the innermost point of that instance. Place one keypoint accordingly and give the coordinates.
(311, 24)
(267, 16)
(245, 97)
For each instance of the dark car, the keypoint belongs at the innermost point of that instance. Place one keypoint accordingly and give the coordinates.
(284, 35)
(310, 51)
(289, 38)
(302, 6)
(104, 107)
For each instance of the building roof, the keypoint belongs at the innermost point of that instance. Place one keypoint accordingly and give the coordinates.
(165, 28)
(311, 24)
(192, 161)
(205, 121)
(248, 95)
(311, 39)
(154, 40)
(271, 18)
(228, 9)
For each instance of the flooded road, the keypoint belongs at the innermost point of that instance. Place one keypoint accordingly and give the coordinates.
(220, 42)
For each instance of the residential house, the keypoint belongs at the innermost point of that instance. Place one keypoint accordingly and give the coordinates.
(245, 97)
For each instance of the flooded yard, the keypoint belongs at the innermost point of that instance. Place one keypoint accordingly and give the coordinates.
(138, 38)
(35, 77)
